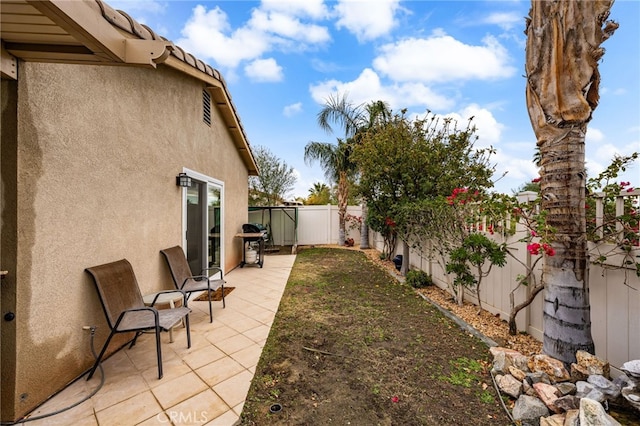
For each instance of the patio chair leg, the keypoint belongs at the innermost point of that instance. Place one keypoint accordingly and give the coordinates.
(104, 348)
(186, 319)
(159, 352)
(210, 307)
(133, 342)
(223, 303)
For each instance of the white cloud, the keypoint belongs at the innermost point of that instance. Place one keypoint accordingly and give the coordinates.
(593, 135)
(264, 70)
(518, 171)
(293, 109)
(287, 26)
(305, 8)
(505, 20)
(204, 36)
(368, 87)
(442, 58)
(208, 34)
(367, 19)
(488, 129)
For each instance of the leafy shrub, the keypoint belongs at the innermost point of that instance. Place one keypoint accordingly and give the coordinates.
(418, 279)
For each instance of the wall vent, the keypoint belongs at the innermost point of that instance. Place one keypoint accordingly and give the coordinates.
(206, 107)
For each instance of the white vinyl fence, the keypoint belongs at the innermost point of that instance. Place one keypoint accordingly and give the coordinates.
(319, 224)
(614, 293)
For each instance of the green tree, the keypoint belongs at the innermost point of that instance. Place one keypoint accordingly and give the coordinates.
(338, 167)
(275, 181)
(404, 162)
(319, 194)
(480, 253)
(354, 121)
(562, 52)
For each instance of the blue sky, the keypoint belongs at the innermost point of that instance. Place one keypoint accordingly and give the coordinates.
(282, 59)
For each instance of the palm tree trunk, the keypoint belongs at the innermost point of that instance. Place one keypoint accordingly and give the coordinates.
(343, 196)
(364, 228)
(563, 50)
(566, 311)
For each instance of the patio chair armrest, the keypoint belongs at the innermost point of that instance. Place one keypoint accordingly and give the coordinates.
(194, 277)
(153, 310)
(213, 268)
(184, 296)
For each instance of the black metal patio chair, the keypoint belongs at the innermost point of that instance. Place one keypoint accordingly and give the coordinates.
(125, 310)
(185, 281)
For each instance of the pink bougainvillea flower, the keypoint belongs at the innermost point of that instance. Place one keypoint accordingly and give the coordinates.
(630, 189)
(550, 251)
(534, 248)
(395, 399)
(536, 180)
(534, 233)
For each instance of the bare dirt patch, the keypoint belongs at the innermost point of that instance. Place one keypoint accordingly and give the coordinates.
(352, 345)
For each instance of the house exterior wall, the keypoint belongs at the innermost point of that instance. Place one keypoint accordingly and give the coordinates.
(98, 149)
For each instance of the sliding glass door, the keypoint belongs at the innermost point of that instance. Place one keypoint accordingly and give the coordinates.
(203, 226)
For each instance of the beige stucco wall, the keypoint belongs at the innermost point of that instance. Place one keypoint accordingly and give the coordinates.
(98, 152)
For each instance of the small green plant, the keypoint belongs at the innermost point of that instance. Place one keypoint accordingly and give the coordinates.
(463, 372)
(418, 279)
(486, 397)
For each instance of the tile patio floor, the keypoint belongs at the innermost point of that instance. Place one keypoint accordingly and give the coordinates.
(206, 384)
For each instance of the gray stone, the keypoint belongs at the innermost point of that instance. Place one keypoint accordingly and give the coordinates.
(509, 385)
(538, 377)
(623, 381)
(529, 407)
(567, 403)
(633, 398)
(592, 414)
(566, 388)
(596, 395)
(521, 362)
(582, 389)
(632, 368)
(500, 363)
(604, 385)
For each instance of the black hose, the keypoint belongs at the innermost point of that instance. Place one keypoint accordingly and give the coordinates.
(75, 404)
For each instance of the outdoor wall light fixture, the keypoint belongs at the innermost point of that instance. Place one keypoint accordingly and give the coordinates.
(183, 180)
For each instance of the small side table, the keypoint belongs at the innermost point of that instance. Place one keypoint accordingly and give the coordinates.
(163, 299)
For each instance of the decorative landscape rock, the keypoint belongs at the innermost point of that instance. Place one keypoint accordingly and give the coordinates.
(592, 414)
(548, 391)
(509, 385)
(587, 365)
(528, 408)
(567, 403)
(605, 386)
(555, 420)
(517, 373)
(632, 369)
(566, 388)
(548, 395)
(553, 367)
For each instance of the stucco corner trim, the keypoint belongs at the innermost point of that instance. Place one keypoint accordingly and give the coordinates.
(147, 52)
